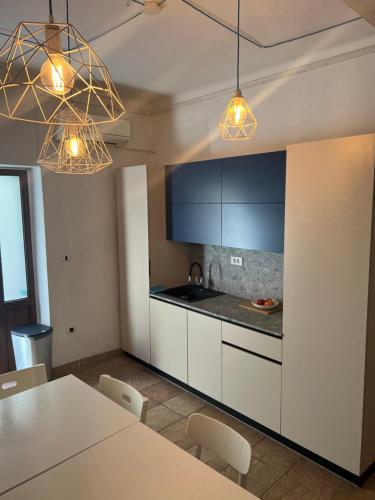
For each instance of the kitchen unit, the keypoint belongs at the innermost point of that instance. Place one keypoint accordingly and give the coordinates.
(305, 376)
(231, 364)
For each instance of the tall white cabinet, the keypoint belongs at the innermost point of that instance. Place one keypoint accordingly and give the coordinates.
(328, 382)
(131, 189)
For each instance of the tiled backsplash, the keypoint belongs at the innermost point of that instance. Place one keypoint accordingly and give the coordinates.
(261, 273)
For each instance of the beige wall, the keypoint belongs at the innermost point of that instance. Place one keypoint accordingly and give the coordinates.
(80, 221)
(334, 101)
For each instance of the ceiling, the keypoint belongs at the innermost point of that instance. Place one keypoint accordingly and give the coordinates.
(183, 54)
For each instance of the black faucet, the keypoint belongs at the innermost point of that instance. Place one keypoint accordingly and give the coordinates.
(191, 273)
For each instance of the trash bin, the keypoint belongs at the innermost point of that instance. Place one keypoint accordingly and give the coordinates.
(32, 345)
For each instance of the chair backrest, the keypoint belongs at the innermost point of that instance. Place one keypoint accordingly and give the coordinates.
(225, 442)
(21, 380)
(125, 395)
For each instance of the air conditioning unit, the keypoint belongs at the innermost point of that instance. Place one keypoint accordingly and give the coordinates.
(118, 132)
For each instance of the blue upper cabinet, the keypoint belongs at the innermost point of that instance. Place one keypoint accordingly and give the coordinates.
(234, 202)
(256, 226)
(194, 223)
(254, 179)
(198, 182)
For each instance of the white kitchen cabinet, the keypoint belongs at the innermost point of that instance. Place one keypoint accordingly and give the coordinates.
(204, 354)
(168, 326)
(328, 398)
(251, 385)
(132, 212)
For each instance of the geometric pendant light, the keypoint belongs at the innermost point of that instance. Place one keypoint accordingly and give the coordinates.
(73, 148)
(45, 66)
(238, 121)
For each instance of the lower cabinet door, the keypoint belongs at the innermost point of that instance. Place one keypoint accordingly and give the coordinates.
(204, 354)
(168, 326)
(252, 386)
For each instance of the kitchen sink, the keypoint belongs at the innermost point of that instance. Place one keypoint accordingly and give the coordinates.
(191, 293)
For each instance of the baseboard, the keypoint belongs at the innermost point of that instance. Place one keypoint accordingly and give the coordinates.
(336, 469)
(73, 366)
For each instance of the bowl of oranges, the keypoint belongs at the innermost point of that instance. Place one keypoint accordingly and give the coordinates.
(265, 304)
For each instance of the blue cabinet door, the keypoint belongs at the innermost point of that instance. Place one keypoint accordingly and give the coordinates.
(254, 179)
(253, 226)
(194, 223)
(198, 182)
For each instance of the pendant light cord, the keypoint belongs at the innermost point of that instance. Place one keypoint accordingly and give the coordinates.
(50, 9)
(238, 44)
(67, 22)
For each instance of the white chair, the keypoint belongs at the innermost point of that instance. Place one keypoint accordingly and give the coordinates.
(225, 442)
(21, 380)
(125, 395)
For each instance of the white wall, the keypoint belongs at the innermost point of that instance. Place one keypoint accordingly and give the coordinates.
(334, 101)
(80, 221)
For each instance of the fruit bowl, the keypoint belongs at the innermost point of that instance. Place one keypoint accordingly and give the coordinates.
(263, 307)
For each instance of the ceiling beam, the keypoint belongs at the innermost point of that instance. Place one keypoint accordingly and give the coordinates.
(365, 8)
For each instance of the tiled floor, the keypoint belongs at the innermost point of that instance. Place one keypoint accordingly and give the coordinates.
(276, 472)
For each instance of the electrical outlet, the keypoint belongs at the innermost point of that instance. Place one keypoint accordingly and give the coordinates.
(236, 261)
(70, 330)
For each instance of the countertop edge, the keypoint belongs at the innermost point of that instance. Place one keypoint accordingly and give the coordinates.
(205, 312)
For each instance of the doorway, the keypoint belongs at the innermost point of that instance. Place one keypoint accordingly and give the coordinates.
(17, 290)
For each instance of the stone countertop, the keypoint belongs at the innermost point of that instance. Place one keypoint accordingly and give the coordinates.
(226, 307)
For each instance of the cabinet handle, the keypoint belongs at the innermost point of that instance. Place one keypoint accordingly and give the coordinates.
(251, 352)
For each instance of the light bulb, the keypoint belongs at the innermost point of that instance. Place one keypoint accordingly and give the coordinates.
(74, 146)
(240, 112)
(57, 75)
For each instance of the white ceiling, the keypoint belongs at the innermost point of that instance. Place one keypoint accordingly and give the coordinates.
(182, 53)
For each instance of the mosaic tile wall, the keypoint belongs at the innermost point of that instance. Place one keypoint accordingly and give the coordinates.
(261, 274)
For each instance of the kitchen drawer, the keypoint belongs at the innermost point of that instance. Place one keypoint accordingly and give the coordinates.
(253, 341)
(252, 386)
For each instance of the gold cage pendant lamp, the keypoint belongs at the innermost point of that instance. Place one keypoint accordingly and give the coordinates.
(238, 121)
(73, 148)
(44, 66)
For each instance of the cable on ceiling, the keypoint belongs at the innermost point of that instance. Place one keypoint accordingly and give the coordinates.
(256, 42)
(227, 27)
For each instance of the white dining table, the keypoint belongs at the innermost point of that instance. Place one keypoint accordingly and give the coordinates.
(132, 463)
(46, 425)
